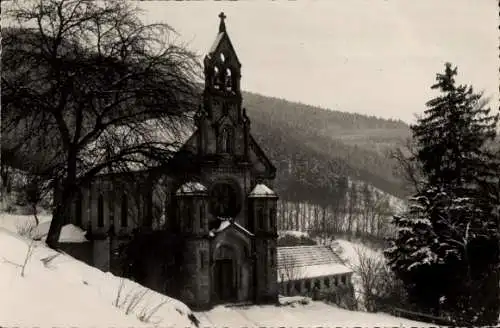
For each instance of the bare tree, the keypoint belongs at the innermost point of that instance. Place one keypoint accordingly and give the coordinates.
(89, 85)
(368, 269)
(290, 271)
(406, 166)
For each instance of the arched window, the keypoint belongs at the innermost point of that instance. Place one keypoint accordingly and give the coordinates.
(202, 217)
(217, 81)
(188, 217)
(78, 210)
(100, 211)
(272, 218)
(228, 83)
(260, 218)
(226, 140)
(124, 212)
(271, 257)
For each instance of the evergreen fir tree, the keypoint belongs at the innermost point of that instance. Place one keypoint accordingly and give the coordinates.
(450, 234)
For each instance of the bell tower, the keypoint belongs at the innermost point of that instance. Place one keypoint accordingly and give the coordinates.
(222, 98)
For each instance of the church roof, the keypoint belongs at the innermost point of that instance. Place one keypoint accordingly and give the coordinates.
(217, 40)
(221, 36)
(191, 188)
(305, 262)
(262, 191)
(225, 224)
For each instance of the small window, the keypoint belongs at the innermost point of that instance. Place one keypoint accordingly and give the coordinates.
(78, 210)
(327, 282)
(344, 279)
(111, 210)
(260, 217)
(229, 80)
(289, 287)
(124, 212)
(100, 211)
(272, 218)
(188, 218)
(217, 79)
(336, 281)
(202, 217)
(202, 259)
(317, 284)
(227, 140)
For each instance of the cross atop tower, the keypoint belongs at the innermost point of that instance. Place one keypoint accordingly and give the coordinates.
(222, 25)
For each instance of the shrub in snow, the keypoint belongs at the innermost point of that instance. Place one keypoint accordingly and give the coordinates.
(292, 240)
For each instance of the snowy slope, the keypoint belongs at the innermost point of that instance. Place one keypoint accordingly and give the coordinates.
(67, 292)
(348, 251)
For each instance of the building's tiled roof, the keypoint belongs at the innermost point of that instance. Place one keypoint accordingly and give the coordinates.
(261, 190)
(302, 262)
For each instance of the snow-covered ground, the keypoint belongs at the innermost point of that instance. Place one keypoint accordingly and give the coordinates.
(66, 292)
(57, 290)
(313, 314)
(348, 251)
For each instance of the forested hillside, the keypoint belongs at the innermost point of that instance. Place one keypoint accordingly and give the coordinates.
(313, 148)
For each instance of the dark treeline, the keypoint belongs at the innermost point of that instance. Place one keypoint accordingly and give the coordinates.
(313, 148)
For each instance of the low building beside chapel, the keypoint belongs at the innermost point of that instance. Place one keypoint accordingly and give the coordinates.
(223, 206)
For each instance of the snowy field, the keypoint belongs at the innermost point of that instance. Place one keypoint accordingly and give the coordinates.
(57, 290)
(313, 314)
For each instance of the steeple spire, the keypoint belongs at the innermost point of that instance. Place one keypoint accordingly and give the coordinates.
(222, 25)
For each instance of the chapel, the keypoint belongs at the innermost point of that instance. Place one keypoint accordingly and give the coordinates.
(223, 207)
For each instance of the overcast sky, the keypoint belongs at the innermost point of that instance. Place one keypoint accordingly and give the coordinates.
(372, 57)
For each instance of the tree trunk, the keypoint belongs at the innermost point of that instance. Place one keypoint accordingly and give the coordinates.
(63, 198)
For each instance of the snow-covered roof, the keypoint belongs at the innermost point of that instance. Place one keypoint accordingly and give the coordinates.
(216, 42)
(226, 223)
(191, 188)
(305, 262)
(262, 191)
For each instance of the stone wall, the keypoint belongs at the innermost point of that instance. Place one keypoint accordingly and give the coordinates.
(80, 251)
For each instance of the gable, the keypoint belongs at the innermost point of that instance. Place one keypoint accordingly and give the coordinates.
(223, 44)
(262, 166)
(233, 234)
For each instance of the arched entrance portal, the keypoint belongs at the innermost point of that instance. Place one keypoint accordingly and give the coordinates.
(224, 274)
